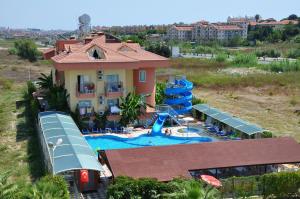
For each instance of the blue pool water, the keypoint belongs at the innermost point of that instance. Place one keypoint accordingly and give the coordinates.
(115, 142)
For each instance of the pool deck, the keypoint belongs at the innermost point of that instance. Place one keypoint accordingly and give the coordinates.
(139, 131)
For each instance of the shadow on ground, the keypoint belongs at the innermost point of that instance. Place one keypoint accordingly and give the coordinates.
(26, 130)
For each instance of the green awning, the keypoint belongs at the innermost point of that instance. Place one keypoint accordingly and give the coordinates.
(228, 119)
(73, 152)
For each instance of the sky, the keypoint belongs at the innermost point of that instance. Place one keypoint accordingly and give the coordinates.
(63, 14)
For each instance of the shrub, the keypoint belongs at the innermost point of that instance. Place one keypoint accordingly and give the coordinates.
(196, 100)
(267, 134)
(297, 39)
(160, 93)
(50, 187)
(30, 87)
(160, 49)
(12, 51)
(294, 53)
(27, 49)
(126, 187)
(245, 60)
(221, 57)
(268, 53)
(283, 184)
(282, 66)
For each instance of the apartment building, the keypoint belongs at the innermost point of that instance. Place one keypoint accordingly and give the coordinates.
(99, 70)
(180, 32)
(204, 31)
(276, 25)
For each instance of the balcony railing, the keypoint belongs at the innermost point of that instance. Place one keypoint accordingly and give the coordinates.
(114, 89)
(88, 91)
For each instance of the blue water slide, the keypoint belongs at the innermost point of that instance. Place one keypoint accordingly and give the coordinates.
(156, 128)
(179, 95)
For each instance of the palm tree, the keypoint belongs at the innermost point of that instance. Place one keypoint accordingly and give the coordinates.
(45, 82)
(132, 106)
(192, 189)
(57, 98)
(7, 190)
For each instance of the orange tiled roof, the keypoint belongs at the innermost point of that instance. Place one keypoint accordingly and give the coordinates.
(184, 28)
(228, 27)
(113, 52)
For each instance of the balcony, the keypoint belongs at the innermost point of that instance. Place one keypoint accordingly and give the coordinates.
(114, 89)
(88, 91)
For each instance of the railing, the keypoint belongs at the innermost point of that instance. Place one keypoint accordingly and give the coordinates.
(164, 108)
(86, 92)
(113, 89)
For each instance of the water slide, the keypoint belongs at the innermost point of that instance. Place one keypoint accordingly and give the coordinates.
(179, 95)
(157, 126)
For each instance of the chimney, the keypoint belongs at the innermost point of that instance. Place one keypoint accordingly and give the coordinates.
(87, 40)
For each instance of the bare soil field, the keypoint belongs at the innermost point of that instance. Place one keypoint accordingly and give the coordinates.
(279, 113)
(19, 70)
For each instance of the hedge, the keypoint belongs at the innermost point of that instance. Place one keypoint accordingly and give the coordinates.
(282, 185)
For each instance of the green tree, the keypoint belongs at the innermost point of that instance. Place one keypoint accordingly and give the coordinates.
(159, 48)
(132, 106)
(160, 93)
(27, 49)
(257, 17)
(192, 189)
(293, 17)
(57, 98)
(45, 82)
(7, 189)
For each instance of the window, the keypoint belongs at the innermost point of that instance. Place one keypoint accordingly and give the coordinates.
(142, 76)
(112, 102)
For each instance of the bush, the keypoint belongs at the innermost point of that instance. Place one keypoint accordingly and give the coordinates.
(50, 187)
(12, 51)
(294, 53)
(282, 66)
(268, 53)
(267, 134)
(221, 58)
(283, 184)
(297, 39)
(160, 93)
(160, 49)
(27, 49)
(196, 100)
(126, 187)
(245, 60)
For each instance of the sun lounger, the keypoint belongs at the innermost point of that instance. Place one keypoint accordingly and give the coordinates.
(108, 130)
(85, 131)
(95, 130)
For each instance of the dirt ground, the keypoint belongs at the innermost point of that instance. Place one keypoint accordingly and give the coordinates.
(18, 70)
(274, 109)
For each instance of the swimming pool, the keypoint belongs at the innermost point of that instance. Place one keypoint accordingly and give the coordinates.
(114, 142)
(190, 130)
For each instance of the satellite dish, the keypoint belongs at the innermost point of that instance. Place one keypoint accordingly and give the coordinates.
(84, 19)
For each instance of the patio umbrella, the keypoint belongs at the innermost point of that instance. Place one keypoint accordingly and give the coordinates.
(187, 120)
(211, 180)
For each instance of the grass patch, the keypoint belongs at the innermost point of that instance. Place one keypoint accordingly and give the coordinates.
(221, 80)
(197, 63)
(282, 66)
(19, 144)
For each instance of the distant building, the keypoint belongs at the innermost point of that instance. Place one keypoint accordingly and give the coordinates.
(180, 32)
(277, 25)
(204, 31)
